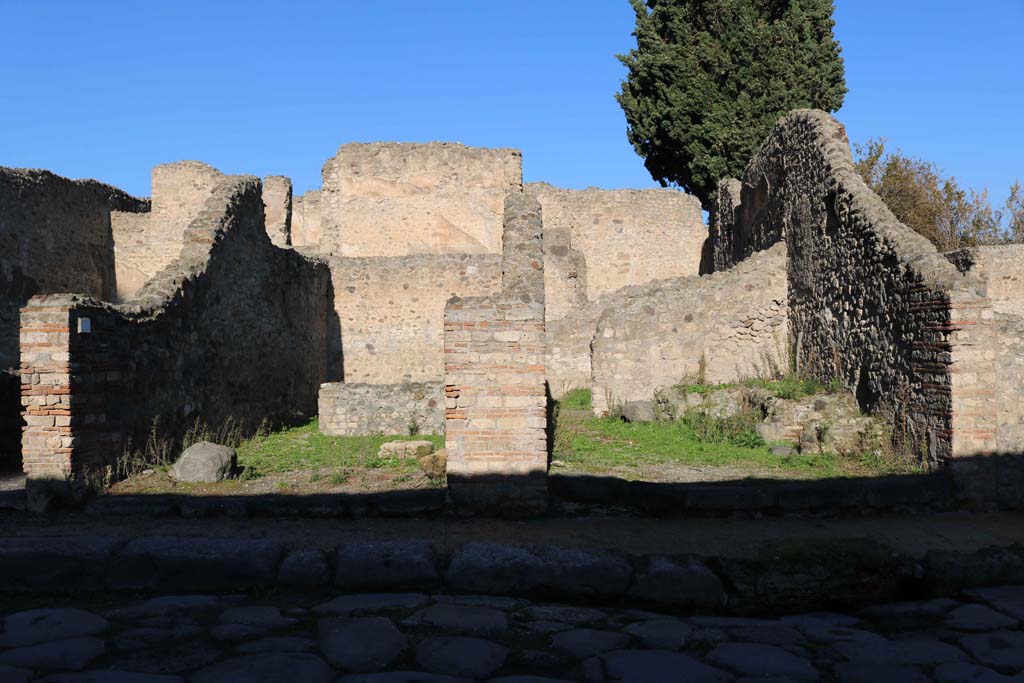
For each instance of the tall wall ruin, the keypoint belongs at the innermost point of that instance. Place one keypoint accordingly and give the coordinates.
(55, 236)
(871, 302)
(193, 344)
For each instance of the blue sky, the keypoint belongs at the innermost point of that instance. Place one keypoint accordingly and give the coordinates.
(110, 89)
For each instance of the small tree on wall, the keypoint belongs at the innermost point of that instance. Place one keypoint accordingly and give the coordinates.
(709, 79)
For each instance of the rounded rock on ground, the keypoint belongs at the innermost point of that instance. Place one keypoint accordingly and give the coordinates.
(361, 644)
(204, 462)
(304, 568)
(461, 656)
(35, 626)
(266, 668)
(434, 465)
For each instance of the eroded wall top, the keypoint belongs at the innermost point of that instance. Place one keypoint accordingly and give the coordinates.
(397, 199)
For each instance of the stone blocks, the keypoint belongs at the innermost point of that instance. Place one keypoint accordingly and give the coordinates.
(364, 409)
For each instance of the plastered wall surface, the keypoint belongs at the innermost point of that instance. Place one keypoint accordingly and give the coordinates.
(55, 236)
(366, 409)
(195, 343)
(391, 311)
(655, 336)
(305, 229)
(397, 199)
(627, 237)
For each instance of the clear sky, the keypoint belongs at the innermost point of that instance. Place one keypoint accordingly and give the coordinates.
(109, 89)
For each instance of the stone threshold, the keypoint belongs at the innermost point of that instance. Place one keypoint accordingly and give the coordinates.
(841, 574)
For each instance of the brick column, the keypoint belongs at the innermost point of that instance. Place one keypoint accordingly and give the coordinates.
(495, 379)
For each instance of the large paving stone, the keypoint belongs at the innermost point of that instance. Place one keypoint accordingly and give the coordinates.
(961, 672)
(368, 602)
(761, 660)
(460, 656)
(276, 644)
(43, 625)
(977, 618)
(304, 568)
(256, 615)
(361, 644)
(1001, 649)
(653, 666)
(146, 636)
(566, 613)
(11, 674)
(386, 564)
(170, 658)
(783, 636)
(669, 581)
(527, 679)
(195, 564)
(40, 563)
(109, 677)
(849, 672)
(909, 615)
(266, 668)
(908, 652)
(827, 633)
(463, 618)
(1008, 599)
(72, 654)
(402, 677)
(495, 601)
(498, 568)
(583, 643)
(661, 634)
(165, 605)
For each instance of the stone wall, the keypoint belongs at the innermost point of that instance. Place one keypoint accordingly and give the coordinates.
(871, 302)
(145, 245)
(305, 229)
(364, 409)
(1002, 270)
(627, 237)
(277, 209)
(651, 337)
(391, 312)
(495, 395)
(1009, 345)
(234, 329)
(396, 199)
(55, 236)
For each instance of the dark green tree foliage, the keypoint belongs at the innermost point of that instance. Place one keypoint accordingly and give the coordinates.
(709, 79)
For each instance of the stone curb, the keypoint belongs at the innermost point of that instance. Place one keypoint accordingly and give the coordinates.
(837, 574)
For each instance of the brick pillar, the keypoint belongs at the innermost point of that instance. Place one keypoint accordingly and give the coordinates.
(46, 442)
(495, 379)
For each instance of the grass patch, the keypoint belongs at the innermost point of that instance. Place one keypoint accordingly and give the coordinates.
(789, 387)
(305, 448)
(576, 399)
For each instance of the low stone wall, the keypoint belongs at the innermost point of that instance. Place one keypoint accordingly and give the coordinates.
(435, 198)
(391, 312)
(627, 237)
(365, 409)
(871, 302)
(732, 323)
(235, 329)
(495, 389)
(55, 235)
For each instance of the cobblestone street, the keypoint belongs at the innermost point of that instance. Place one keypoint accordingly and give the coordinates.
(415, 637)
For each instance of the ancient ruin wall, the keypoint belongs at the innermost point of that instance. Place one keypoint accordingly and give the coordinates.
(145, 245)
(391, 311)
(396, 199)
(627, 237)
(733, 323)
(365, 409)
(1001, 268)
(495, 394)
(234, 329)
(55, 236)
(872, 303)
(277, 209)
(306, 220)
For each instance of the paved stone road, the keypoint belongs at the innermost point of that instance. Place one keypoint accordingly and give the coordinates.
(416, 638)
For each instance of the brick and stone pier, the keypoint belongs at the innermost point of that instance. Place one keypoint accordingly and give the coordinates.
(495, 388)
